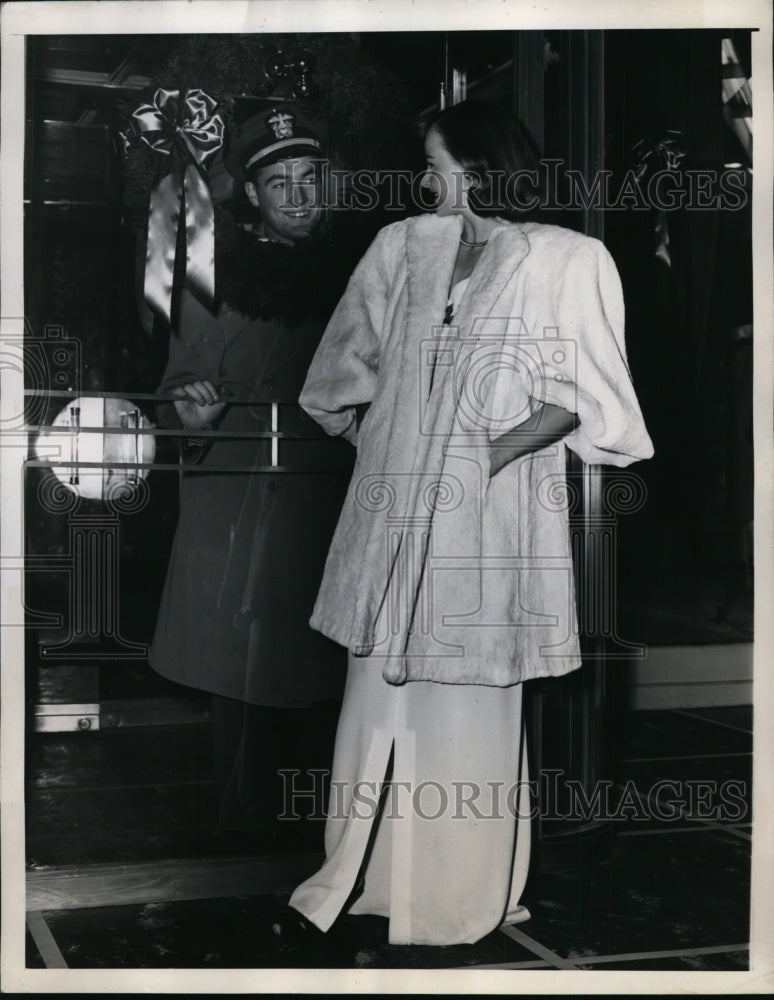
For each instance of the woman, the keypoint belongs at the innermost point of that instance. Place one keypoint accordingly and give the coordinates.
(484, 345)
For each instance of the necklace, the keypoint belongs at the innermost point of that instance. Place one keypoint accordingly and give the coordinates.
(465, 243)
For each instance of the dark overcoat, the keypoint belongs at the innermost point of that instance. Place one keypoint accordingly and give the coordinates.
(250, 547)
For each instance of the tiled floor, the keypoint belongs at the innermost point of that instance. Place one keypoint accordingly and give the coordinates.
(669, 894)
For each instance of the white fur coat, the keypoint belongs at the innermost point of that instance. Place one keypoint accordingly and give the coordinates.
(439, 571)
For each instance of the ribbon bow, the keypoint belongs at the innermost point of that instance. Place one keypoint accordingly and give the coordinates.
(189, 134)
(670, 152)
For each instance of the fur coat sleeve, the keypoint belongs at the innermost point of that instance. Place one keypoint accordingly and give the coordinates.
(345, 369)
(595, 383)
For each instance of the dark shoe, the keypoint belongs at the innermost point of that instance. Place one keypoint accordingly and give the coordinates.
(293, 929)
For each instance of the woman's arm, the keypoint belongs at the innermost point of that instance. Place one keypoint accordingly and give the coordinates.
(547, 424)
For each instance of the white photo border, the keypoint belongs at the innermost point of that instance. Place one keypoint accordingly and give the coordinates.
(224, 16)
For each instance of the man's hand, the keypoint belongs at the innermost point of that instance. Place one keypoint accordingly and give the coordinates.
(199, 404)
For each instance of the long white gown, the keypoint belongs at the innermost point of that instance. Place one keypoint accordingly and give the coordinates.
(451, 851)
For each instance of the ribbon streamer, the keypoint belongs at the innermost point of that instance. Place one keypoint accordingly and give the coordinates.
(189, 133)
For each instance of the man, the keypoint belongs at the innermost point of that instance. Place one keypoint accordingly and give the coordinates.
(250, 545)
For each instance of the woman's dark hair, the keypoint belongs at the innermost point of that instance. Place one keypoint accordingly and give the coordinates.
(493, 147)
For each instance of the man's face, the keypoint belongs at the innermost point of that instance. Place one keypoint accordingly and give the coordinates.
(287, 195)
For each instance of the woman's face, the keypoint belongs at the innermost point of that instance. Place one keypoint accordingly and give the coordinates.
(444, 178)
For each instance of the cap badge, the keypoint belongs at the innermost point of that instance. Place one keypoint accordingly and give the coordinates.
(281, 123)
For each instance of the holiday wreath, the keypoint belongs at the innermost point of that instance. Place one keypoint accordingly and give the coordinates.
(213, 79)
